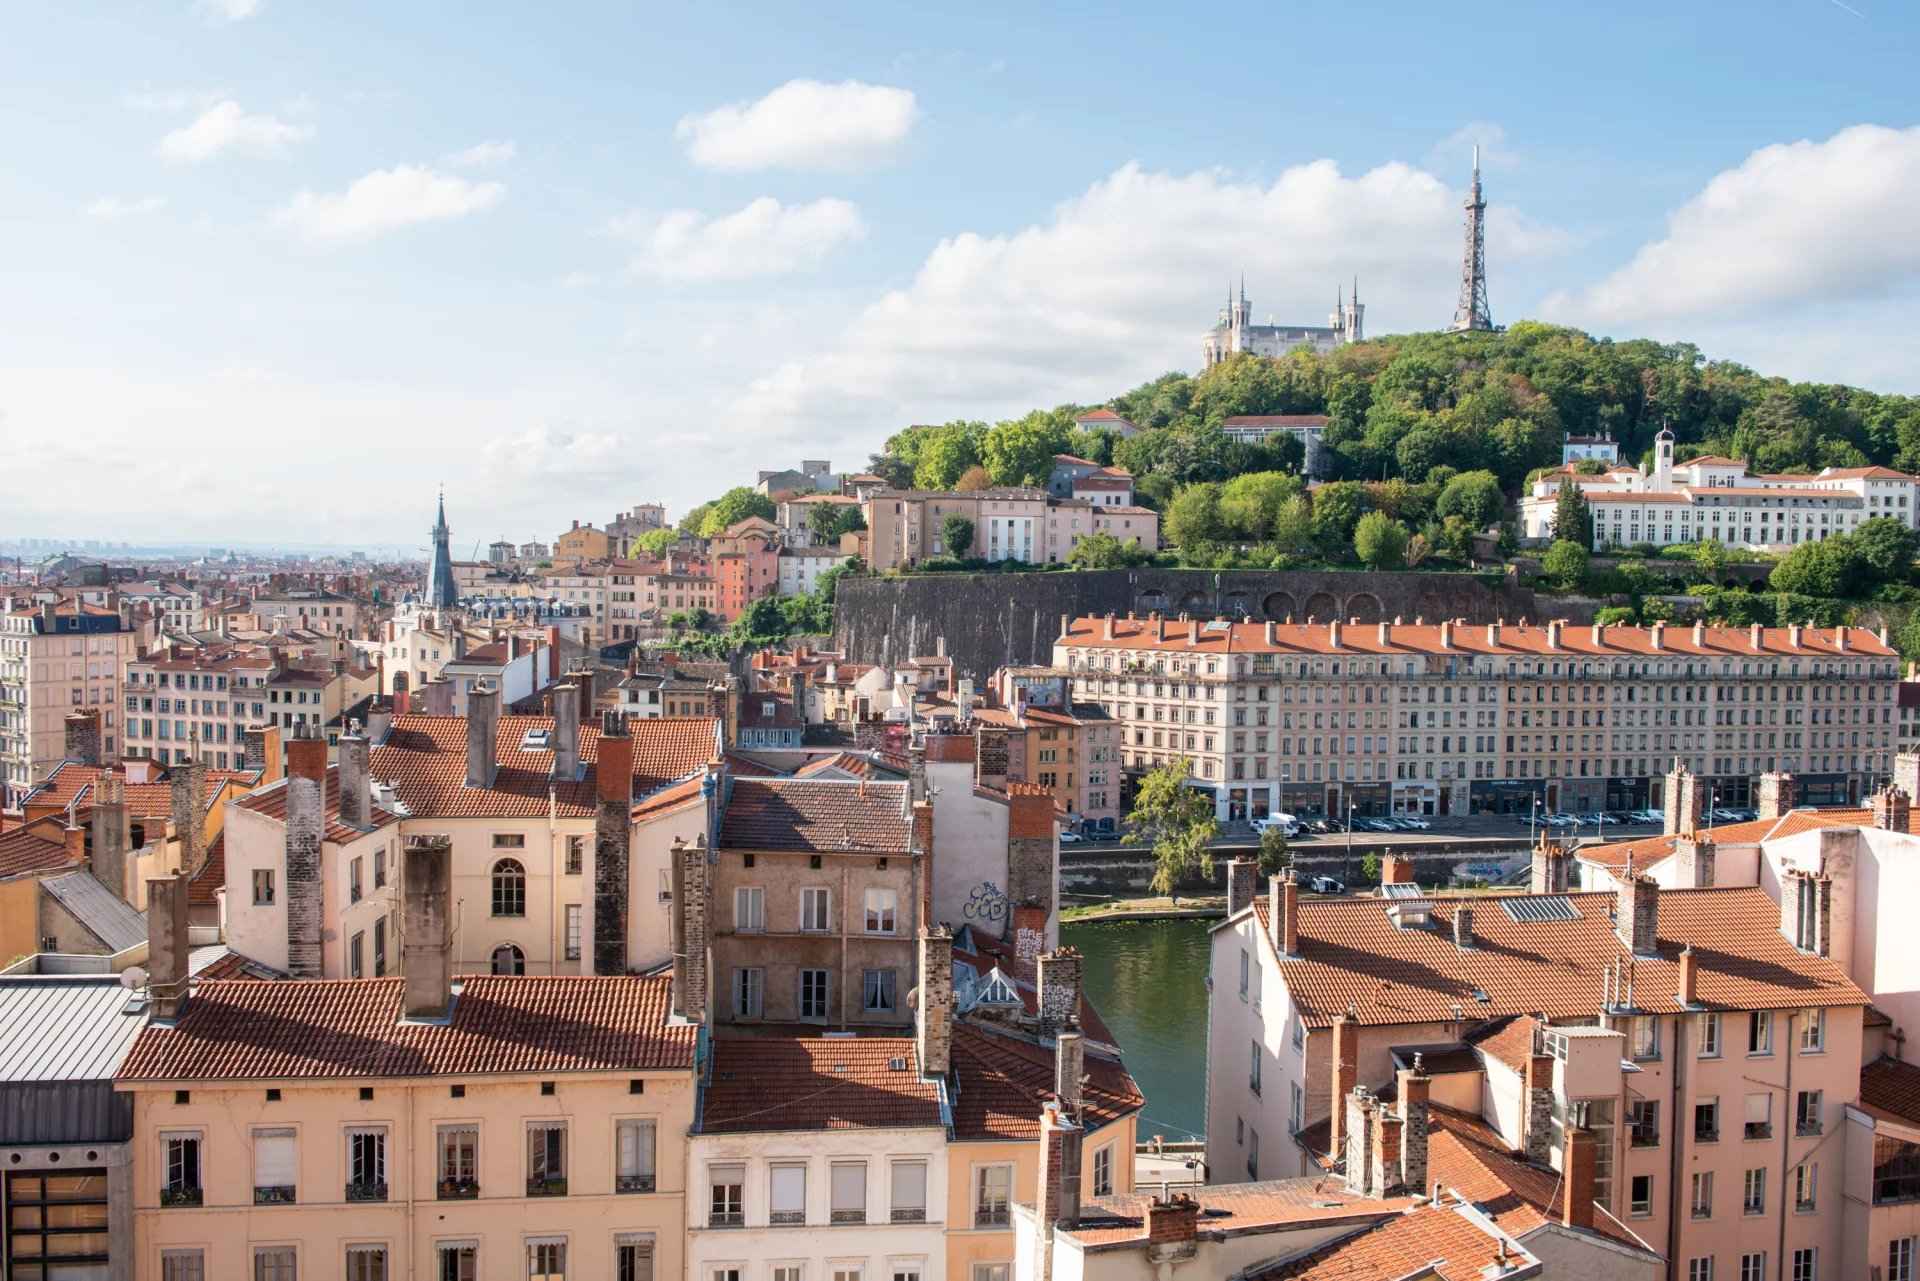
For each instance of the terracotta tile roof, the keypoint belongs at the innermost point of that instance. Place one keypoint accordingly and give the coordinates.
(211, 878)
(1892, 1088)
(668, 799)
(1709, 460)
(34, 848)
(1004, 1080)
(70, 786)
(1101, 482)
(1436, 1241)
(489, 655)
(425, 759)
(1862, 473)
(846, 764)
(817, 1083)
(1235, 1209)
(271, 801)
(1277, 420)
(1353, 956)
(1509, 1041)
(333, 1028)
(1467, 639)
(816, 815)
(1100, 416)
(987, 953)
(1649, 850)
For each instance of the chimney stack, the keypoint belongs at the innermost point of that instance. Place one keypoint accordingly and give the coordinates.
(1243, 879)
(1058, 989)
(1577, 1172)
(1283, 912)
(1538, 1130)
(1689, 993)
(1656, 635)
(483, 721)
(1031, 863)
(933, 1006)
(306, 822)
(1637, 912)
(1693, 858)
(1891, 809)
(1172, 1224)
(1777, 793)
(690, 928)
(83, 736)
(1463, 928)
(261, 751)
(187, 797)
(1682, 800)
(167, 946)
(426, 958)
(1549, 872)
(1069, 1066)
(1346, 1072)
(1058, 1196)
(356, 802)
(1415, 1095)
(1554, 629)
(110, 837)
(566, 732)
(612, 834)
(1396, 869)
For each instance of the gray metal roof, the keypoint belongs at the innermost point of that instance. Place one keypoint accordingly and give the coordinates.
(65, 1028)
(112, 919)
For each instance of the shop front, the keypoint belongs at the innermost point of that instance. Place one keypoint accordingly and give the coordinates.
(1508, 796)
(1416, 797)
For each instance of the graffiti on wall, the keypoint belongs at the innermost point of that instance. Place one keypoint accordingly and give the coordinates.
(987, 902)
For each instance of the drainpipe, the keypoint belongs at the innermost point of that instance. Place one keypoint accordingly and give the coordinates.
(1675, 1165)
(413, 1174)
(1786, 1140)
(844, 911)
(553, 888)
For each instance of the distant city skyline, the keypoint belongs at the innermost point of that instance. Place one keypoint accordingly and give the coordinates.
(287, 269)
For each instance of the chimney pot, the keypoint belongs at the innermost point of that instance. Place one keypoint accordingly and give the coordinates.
(426, 944)
(167, 945)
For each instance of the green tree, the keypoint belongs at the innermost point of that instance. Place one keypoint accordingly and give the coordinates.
(734, 506)
(1572, 517)
(827, 521)
(1337, 509)
(1474, 496)
(1380, 541)
(1104, 551)
(1177, 821)
(1275, 857)
(1370, 866)
(956, 533)
(656, 542)
(1020, 452)
(1831, 567)
(1293, 526)
(1886, 548)
(1193, 518)
(945, 453)
(1711, 559)
(1565, 564)
(1249, 503)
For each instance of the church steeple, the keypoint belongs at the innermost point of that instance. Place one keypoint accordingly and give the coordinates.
(441, 591)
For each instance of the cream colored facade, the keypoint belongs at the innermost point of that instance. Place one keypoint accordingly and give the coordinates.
(212, 697)
(410, 1222)
(905, 526)
(977, 1238)
(53, 664)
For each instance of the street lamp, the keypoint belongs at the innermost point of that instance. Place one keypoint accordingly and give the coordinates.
(1533, 816)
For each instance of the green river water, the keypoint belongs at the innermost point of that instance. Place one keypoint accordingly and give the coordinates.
(1148, 981)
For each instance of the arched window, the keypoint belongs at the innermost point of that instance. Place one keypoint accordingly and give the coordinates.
(509, 888)
(508, 959)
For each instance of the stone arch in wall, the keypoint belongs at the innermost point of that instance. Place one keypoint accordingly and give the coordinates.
(1152, 600)
(1196, 603)
(1322, 607)
(1279, 606)
(1364, 607)
(1237, 605)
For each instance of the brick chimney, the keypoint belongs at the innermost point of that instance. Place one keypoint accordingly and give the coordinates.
(1539, 1121)
(261, 751)
(1173, 1225)
(110, 839)
(483, 721)
(1777, 793)
(1345, 1068)
(1383, 1164)
(1058, 1194)
(1361, 1112)
(73, 839)
(691, 928)
(1906, 773)
(1243, 880)
(83, 736)
(933, 1004)
(167, 946)
(1396, 869)
(1415, 1095)
(1549, 872)
(1891, 809)
(1058, 994)
(306, 820)
(426, 953)
(1689, 993)
(1031, 859)
(356, 801)
(1693, 862)
(187, 797)
(1682, 800)
(1283, 913)
(612, 833)
(1463, 927)
(1637, 912)
(566, 732)
(1577, 1174)
(1069, 1071)
(990, 756)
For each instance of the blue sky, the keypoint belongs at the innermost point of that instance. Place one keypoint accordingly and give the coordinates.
(277, 268)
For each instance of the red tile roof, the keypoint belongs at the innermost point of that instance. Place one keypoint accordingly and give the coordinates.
(817, 1083)
(34, 848)
(1648, 850)
(1436, 1241)
(425, 759)
(815, 815)
(207, 883)
(1235, 1209)
(237, 1030)
(1470, 1158)
(70, 785)
(1509, 1042)
(1892, 1088)
(271, 801)
(1467, 639)
(1354, 957)
(1277, 420)
(1004, 1080)
(989, 953)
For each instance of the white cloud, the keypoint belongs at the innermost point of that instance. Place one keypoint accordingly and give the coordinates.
(227, 10)
(108, 208)
(551, 453)
(804, 124)
(1453, 154)
(385, 200)
(1117, 287)
(224, 126)
(766, 238)
(148, 98)
(482, 155)
(1794, 223)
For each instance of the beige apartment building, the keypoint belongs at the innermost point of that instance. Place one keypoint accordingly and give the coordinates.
(406, 1126)
(309, 609)
(905, 526)
(1452, 718)
(208, 695)
(55, 660)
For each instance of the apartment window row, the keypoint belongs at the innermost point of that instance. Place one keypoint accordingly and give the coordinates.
(881, 910)
(847, 1198)
(275, 1161)
(813, 992)
(545, 1258)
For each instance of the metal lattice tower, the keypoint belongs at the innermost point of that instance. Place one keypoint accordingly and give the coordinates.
(1473, 312)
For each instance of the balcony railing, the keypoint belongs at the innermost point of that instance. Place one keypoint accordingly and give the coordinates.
(1759, 1130)
(546, 1187)
(366, 1191)
(787, 1218)
(459, 1189)
(273, 1196)
(849, 1216)
(991, 1216)
(181, 1196)
(909, 1214)
(726, 1218)
(633, 1183)
(1807, 1128)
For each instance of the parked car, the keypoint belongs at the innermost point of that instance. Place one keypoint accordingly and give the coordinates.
(1326, 885)
(1605, 820)
(1071, 838)
(1414, 823)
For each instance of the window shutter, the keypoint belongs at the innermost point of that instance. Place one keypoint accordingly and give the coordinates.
(1759, 1108)
(789, 1194)
(849, 1187)
(273, 1158)
(909, 1186)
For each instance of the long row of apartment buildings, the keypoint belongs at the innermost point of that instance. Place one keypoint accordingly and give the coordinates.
(1454, 718)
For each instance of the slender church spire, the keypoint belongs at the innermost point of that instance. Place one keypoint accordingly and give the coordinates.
(441, 590)
(1473, 312)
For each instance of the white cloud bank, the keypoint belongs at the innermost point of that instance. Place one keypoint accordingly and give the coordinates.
(1798, 222)
(227, 10)
(386, 200)
(1118, 286)
(483, 155)
(766, 238)
(109, 208)
(225, 127)
(804, 124)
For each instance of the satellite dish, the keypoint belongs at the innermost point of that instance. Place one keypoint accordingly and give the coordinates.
(133, 977)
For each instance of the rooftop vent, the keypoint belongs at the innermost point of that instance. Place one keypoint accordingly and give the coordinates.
(896, 1065)
(537, 740)
(1546, 907)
